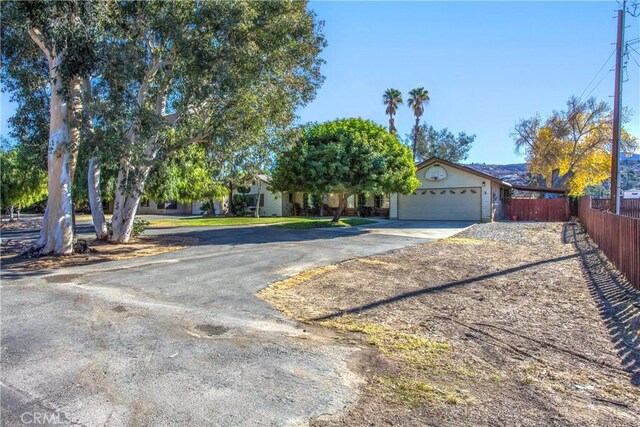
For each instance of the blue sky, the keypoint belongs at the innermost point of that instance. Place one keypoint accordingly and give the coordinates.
(485, 64)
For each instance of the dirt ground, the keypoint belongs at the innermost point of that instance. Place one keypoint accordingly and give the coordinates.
(504, 324)
(98, 251)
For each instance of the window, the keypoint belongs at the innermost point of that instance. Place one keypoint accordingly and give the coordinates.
(381, 201)
(351, 201)
(251, 200)
(144, 203)
(290, 197)
(170, 205)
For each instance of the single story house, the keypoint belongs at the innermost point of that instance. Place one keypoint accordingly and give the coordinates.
(449, 191)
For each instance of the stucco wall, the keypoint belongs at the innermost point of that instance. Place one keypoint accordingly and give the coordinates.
(272, 201)
(456, 178)
(393, 209)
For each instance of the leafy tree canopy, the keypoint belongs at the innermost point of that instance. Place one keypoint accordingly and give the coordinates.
(185, 176)
(345, 156)
(571, 148)
(443, 144)
(23, 181)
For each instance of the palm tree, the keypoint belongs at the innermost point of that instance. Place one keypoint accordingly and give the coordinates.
(392, 98)
(418, 99)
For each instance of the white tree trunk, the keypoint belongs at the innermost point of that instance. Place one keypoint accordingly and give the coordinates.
(259, 186)
(56, 235)
(124, 212)
(95, 198)
(130, 187)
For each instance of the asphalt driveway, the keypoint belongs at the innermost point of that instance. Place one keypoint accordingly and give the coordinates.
(180, 338)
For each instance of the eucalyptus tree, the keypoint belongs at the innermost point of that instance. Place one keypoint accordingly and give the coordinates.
(392, 98)
(418, 99)
(182, 71)
(48, 47)
(442, 143)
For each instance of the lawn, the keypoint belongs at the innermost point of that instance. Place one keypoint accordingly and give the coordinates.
(322, 223)
(286, 222)
(495, 326)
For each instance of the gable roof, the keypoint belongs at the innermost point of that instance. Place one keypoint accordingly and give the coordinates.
(460, 167)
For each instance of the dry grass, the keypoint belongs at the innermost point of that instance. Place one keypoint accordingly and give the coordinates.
(495, 326)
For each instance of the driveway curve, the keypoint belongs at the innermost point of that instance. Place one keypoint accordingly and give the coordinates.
(180, 338)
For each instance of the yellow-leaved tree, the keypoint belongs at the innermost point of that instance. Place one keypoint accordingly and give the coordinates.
(571, 149)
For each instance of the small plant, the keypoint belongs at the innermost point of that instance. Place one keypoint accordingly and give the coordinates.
(139, 226)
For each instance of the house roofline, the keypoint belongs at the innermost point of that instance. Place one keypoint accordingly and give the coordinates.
(461, 167)
(540, 189)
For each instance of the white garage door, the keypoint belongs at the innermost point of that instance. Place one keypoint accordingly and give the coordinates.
(454, 204)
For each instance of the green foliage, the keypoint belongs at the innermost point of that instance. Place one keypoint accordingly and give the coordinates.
(443, 144)
(345, 156)
(418, 99)
(392, 98)
(239, 203)
(139, 226)
(159, 76)
(185, 176)
(23, 181)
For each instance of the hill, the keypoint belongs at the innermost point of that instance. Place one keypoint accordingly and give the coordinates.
(516, 173)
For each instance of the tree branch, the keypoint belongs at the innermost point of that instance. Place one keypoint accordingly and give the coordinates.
(37, 38)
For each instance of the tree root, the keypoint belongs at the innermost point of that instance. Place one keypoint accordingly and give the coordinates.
(82, 247)
(35, 251)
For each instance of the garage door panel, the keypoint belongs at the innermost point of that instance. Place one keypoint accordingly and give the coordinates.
(458, 204)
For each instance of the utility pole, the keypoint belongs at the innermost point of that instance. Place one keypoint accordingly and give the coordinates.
(617, 107)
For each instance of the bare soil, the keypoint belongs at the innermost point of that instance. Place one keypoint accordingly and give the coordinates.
(504, 324)
(98, 251)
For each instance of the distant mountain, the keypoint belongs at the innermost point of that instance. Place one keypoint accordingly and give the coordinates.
(517, 173)
(514, 173)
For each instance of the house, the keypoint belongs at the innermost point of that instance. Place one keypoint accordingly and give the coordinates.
(449, 191)
(169, 207)
(634, 193)
(270, 203)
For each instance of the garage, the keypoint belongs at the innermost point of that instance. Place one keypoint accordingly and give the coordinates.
(452, 204)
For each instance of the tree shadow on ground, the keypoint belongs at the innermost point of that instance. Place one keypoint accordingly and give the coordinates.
(618, 302)
(16, 267)
(441, 288)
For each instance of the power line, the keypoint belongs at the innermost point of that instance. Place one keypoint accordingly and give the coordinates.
(598, 73)
(630, 55)
(598, 84)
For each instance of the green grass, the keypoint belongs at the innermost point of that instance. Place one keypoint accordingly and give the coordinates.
(289, 222)
(319, 223)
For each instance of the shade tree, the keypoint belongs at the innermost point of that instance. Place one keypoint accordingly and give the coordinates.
(343, 157)
(572, 147)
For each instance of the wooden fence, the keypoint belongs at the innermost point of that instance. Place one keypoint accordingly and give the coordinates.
(628, 207)
(616, 235)
(538, 209)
